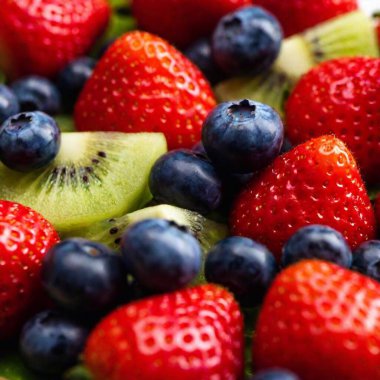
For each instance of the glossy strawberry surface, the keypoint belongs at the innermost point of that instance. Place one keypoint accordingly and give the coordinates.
(25, 237)
(143, 84)
(340, 97)
(42, 36)
(297, 15)
(317, 182)
(322, 322)
(195, 333)
(183, 21)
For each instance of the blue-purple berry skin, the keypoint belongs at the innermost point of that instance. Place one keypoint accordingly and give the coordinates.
(242, 136)
(29, 141)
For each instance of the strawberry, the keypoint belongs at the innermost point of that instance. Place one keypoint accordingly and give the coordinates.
(25, 237)
(377, 26)
(322, 322)
(42, 36)
(297, 15)
(195, 333)
(183, 21)
(340, 97)
(315, 183)
(154, 88)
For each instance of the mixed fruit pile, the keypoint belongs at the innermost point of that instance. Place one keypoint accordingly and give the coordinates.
(189, 190)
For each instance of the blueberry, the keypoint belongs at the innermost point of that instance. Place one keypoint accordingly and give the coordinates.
(242, 136)
(83, 276)
(200, 53)
(243, 266)
(51, 343)
(185, 179)
(9, 104)
(247, 41)
(72, 79)
(317, 242)
(162, 255)
(367, 259)
(37, 94)
(29, 141)
(275, 374)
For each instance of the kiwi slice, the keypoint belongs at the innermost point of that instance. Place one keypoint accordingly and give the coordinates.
(65, 123)
(13, 368)
(349, 35)
(109, 231)
(96, 175)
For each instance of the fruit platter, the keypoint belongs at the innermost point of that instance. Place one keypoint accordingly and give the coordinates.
(190, 190)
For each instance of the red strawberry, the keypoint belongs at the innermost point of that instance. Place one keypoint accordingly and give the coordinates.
(183, 21)
(315, 183)
(377, 26)
(25, 236)
(340, 97)
(42, 36)
(143, 84)
(297, 15)
(191, 334)
(322, 322)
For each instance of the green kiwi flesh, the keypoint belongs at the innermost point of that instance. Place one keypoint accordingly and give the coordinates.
(96, 175)
(65, 123)
(109, 231)
(13, 368)
(348, 35)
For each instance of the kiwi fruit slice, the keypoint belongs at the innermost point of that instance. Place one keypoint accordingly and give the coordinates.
(109, 231)
(13, 368)
(65, 123)
(349, 35)
(96, 175)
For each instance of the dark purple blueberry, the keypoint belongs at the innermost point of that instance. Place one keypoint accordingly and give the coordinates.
(83, 276)
(242, 136)
(36, 93)
(72, 79)
(29, 141)
(247, 41)
(243, 266)
(275, 374)
(200, 53)
(163, 256)
(317, 242)
(185, 179)
(51, 343)
(9, 104)
(367, 259)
